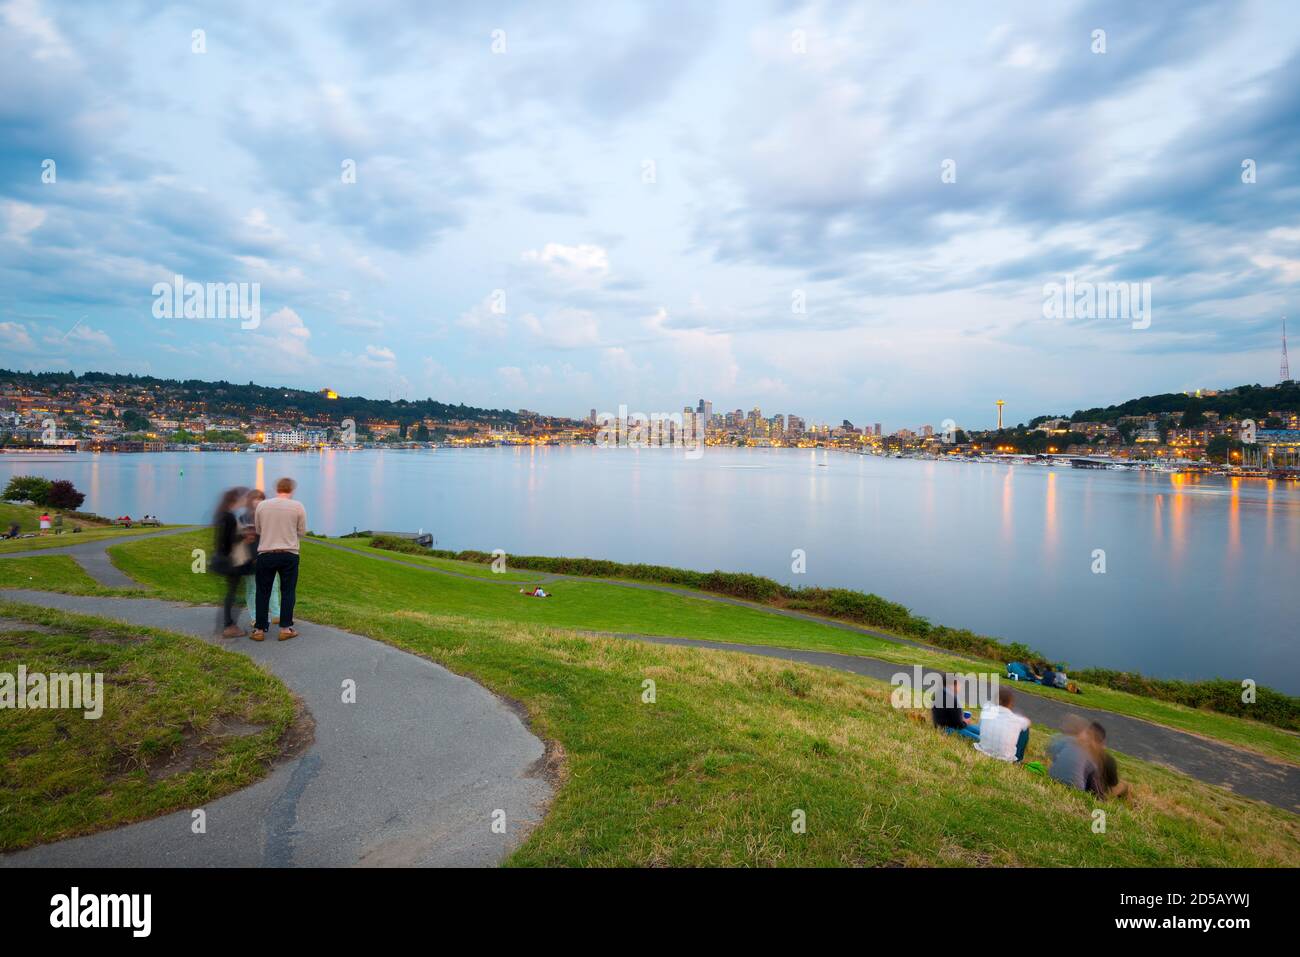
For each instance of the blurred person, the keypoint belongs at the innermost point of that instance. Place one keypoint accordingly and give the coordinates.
(1074, 755)
(246, 521)
(1107, 781)
(280, 523)
(229, 559)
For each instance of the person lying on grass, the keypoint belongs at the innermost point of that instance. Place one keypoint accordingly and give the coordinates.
(535, 592)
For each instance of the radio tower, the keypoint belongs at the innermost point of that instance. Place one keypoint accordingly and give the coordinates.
(1286, 367)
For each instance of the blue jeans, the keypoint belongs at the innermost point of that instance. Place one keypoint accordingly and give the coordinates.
(250, 597)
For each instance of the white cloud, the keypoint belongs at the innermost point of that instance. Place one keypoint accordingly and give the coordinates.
(378, 357)
(21, 219)
(583, 263)
(483, 320)
(564, 328)
(15, 336)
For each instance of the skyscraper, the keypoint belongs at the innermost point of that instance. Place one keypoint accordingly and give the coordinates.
(1286, 366)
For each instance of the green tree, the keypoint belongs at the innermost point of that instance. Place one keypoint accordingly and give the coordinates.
(22, 488)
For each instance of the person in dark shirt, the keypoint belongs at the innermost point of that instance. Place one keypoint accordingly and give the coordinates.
(225, 560)
(1107, 782)
(947, 711)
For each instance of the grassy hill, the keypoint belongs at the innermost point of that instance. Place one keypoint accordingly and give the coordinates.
(733, 747)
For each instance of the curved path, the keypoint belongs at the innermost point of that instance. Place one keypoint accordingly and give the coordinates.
(411, 774)
(1243, 772)
(93, 557)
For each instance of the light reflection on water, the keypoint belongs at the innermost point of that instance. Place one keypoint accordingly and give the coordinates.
(1200, 573)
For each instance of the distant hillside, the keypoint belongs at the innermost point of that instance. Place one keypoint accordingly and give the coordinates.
(1248, 401)
(229, 398)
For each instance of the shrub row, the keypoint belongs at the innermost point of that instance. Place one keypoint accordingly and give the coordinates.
(862, 608)
(1217, 694)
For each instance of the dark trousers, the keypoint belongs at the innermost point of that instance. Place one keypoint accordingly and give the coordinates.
(228, 603)
(270, 564)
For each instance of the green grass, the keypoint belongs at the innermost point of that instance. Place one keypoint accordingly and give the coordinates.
(53, 573)
(183, 723)
(28, 518)
(334, 577)
(733, 745)
(472, 569)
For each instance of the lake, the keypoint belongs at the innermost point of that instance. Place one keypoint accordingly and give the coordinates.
(1200, 572)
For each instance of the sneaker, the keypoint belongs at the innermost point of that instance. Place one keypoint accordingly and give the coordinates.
(232, 631)
(287, 633)
(258, 634)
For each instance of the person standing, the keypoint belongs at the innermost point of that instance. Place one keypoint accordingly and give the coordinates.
(255, 497)
(280, 523)
(228, 560)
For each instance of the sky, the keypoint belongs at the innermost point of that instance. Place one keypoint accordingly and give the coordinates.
(835, 210)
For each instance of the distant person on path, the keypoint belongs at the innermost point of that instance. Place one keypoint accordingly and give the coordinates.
(1107, 783)
(1074, 756)
(246, 521)
(229, 558)
(1004, 734)
(280, 523)
(947, 712)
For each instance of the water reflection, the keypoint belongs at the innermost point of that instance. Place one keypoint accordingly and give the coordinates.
(954, 542)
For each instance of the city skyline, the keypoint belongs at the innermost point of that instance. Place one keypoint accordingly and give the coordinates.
(655, 222)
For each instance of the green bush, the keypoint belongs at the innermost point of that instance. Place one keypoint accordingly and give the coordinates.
(1218, 694)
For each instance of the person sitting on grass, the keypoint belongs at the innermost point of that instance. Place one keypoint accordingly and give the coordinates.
(1106, 783)
(947, 712)
(1003, 734)
(1075, 756)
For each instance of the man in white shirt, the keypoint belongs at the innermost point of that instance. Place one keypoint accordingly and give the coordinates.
(1003, 733)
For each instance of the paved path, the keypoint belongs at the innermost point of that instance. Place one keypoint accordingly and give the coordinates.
(1249, 774)
(93, 557)
(408, 775)
(1244, 772)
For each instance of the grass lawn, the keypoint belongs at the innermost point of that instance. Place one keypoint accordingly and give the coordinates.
(733, 746)
(28, 518)
(53, 573)
(183, 723)
(335, 578)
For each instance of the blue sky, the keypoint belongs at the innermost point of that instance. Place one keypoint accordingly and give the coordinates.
(623, 203)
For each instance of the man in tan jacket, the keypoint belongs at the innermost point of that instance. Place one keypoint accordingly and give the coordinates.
(280, 523)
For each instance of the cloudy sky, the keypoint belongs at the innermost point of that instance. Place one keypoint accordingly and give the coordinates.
(562, 206)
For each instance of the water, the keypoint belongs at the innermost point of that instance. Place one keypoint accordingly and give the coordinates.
(1200, 572)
